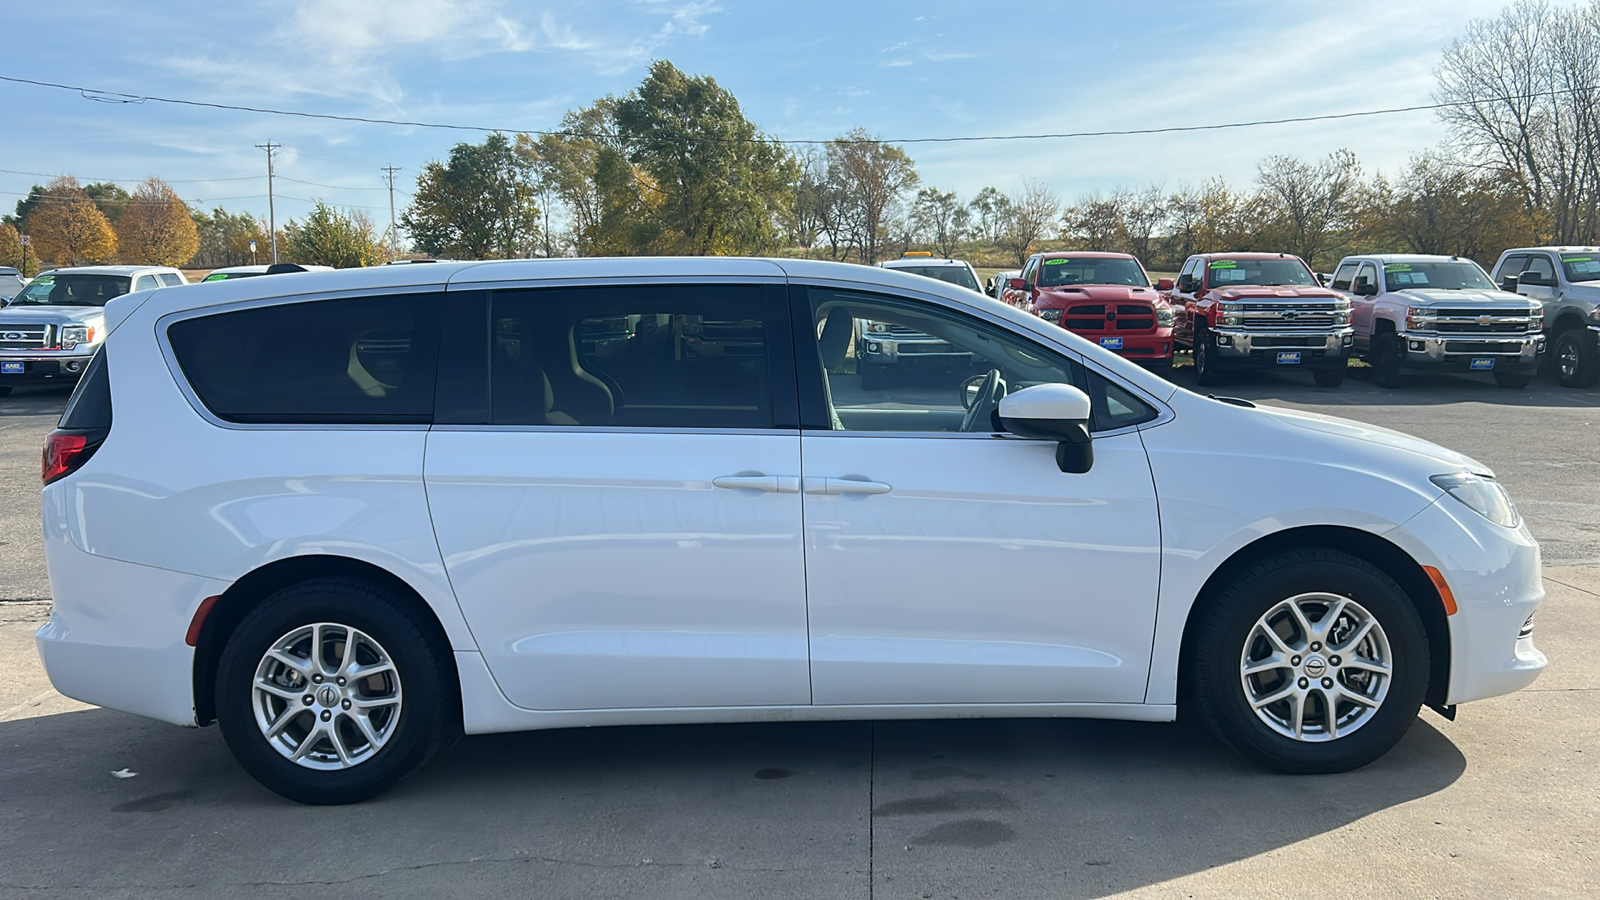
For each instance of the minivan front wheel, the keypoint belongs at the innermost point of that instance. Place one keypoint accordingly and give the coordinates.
(329, 693)
(1311, 661)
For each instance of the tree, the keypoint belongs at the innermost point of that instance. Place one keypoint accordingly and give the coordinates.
(67, 227)
(1307, 209)
(1143, 214)
(1095, 222)
(110, 197)
(225, 238)
(333, 237)
(989, 210)
(480, 204)
(1028, 215)
(723, 186)
(1207, 219)
(1440, 206)
(11, 248)
(940, 219)
(868, 180)
(156, 227)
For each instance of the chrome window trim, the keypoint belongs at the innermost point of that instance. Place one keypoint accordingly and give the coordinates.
(527, 284)
(163, 323)
(615, 429)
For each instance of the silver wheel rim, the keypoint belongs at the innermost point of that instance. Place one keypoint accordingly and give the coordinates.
(1316, 667)
(1569, 359)
(326, 696)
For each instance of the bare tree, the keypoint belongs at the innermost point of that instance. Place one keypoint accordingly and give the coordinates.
(869, 179)
(989, 210)
(1028, 216)
(1095, 222)
(940, 219)
(1143, 214)
(1306, 209)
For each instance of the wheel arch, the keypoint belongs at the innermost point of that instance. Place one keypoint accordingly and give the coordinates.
(1566, 321)
(1375, 549)
(257, 585)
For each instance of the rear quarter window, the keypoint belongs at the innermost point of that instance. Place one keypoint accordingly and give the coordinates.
(363, 360)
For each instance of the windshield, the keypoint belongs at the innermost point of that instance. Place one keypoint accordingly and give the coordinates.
(1062, 270)
(1235, 272)
(1579, 268)
(1455, 275)
(73, 290)
(951, 274)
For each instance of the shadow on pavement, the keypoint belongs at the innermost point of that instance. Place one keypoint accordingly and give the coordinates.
(1065, 808)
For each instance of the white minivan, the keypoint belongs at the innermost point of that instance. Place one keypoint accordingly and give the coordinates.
(351, 515)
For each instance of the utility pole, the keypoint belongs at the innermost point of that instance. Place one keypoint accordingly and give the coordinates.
(272, 216)
(393, 233)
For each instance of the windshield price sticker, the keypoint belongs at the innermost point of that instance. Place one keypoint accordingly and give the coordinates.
(1225, 264)
(1398, 267)
(1056, 262)
(1574, 259)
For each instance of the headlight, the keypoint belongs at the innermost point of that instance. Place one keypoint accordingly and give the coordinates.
(1420, 318)
(877, 327)
(1485, 496)
(1341, 318)
(1053, 316)
(1163, 316)
(73, 335)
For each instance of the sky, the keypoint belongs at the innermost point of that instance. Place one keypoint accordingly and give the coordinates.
(800, 70)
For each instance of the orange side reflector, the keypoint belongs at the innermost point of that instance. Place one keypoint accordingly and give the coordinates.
(1444, 590)
(193, 637)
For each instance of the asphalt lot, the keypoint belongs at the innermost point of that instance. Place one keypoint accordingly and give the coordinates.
(1503, 802)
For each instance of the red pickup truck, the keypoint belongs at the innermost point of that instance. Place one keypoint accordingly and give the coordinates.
(1105, 297)
(1260, 310)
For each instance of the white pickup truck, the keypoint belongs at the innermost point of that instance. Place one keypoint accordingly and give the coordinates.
(1566, 282)
(1414, 313)
(52, 328)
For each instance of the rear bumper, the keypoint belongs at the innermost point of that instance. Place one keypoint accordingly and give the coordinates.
(1237, 347)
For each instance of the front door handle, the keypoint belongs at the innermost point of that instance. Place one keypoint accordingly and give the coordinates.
(776, 484)
(844, 486)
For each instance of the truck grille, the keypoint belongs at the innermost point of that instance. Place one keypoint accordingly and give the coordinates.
(1109, 317)
(1278, 316)
(25, 337)
(1487, 321)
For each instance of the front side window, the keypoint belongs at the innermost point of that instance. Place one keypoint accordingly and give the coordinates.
(1225, 273)
(72, 290)
(1511, 266)
(895, 365)
(1343, 277)
(1539, 265)
(171, 279)
(655, 356)
(363, 360)
(1367, 274)
(1061, 270)
(1582, 266)
(1030, 270)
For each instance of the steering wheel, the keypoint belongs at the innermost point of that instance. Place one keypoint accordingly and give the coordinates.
(989, 392)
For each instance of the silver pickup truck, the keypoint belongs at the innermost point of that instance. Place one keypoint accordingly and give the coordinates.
(1414, 313)
(1566, 282)
(49, 331)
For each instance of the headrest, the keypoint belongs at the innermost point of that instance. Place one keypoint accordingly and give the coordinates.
(835, 339)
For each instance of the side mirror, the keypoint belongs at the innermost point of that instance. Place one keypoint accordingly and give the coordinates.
(1185, 284)
(1530, 278)
(1052, 412)
(1017, 284)
(1509, 283)
(1364, 288)
(1164, 284)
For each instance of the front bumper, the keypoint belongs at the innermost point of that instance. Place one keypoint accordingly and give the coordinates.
(1238, 347)
(1496, 577)
(42, 367)
(889, 350)
(1154, 346)
(1516, 353)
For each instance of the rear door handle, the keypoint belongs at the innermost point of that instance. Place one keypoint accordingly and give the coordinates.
(776, 484)
(844, 486)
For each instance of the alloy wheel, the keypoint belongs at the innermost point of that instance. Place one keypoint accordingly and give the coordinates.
(326, 696)
(1316, 667)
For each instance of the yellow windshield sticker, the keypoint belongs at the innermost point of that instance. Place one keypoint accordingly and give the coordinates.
(1225, 264)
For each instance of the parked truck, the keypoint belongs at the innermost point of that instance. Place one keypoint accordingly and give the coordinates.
(1259, 310)
(1415, 313)
(1565, 281)
(1105, 297)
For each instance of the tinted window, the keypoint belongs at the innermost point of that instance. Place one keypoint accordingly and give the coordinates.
(1369, 272)
(73, 290)
(1343, 277)
(656, 356)
(357, 361)
(1582, 266)
(1511, 266)
(90, 404)
(1540, 265)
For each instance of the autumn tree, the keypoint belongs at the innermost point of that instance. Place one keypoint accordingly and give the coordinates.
(1307, 209)
(67, 227)
(156, 227)
(1095, 222)
(110, 198)
(225, 238)
(1029, 216)
(940, 219)
(568, 168)
(723, 186)
(333, 237)
(868, 180)
(482, 203)
(11, 248)
(1439, 206)
(989, 210)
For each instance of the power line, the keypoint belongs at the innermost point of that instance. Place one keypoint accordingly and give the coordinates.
(120, 97)
(337, 187)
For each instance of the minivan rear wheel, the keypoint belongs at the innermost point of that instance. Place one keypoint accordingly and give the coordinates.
(328, 692)
(1310, 661)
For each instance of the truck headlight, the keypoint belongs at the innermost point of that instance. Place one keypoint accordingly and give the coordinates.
(1420, 319)
(1053, 316)
(1484, 495)
(73, 335)
(1164, 316)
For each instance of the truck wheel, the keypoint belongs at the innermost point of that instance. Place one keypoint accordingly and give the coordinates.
(1310, 661)
(1329, 376)
(1385, 360)
(1514, 380)
(873, 377)
(1577, 360)
(1205, 363)
(327, 692)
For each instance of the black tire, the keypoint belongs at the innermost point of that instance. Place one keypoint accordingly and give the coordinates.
(1516, 381)
(1205, 363)
(1385, 360)
(1577, 360)
(428, 718)
(1329, 376)
(874, 377)
(1227, 622)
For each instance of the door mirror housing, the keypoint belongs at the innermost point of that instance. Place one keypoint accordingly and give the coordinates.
(1509, 283)
(1052, 412)
(1164, 284)
(1364, 288)
(1531, 278)
(1017, 284)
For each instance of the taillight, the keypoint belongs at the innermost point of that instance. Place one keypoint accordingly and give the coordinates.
(64, 452)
